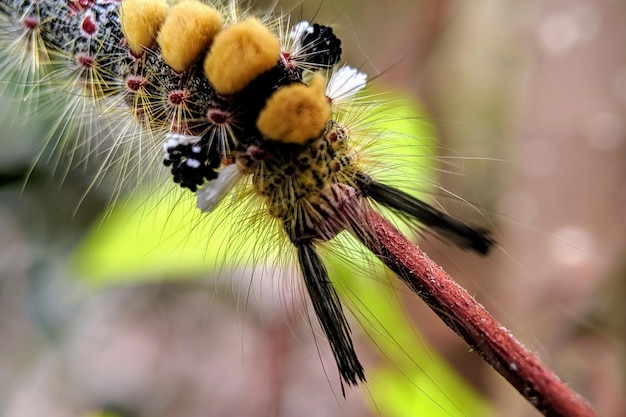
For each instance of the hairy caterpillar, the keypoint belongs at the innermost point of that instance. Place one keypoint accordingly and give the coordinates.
(531, 264)
(249, 110)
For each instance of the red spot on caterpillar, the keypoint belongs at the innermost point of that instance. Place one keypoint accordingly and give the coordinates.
(285, 57)
(85, 60)
(218, 117)
(89, 26)
(178, 97)
(134, 82)
(30, 22)
(77, 6)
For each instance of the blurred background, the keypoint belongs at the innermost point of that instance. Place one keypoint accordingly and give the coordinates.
(528, 99)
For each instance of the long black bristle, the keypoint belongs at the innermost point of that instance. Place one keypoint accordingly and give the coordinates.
(329, 313)
(456, 231)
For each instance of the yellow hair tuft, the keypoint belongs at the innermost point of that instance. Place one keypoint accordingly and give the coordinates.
(296, 113)
(141, 20)
(239, 54)
(188, 31)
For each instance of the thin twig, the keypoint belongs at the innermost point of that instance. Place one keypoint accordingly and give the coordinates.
(463, 314)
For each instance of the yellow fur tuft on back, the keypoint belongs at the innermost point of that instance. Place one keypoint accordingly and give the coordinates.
(296, 113)
(240, 53)
(188, 31)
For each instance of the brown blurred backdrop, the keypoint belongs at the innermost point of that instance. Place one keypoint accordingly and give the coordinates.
(531, 94)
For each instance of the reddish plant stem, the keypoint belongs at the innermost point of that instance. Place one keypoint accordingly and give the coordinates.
(463, 314)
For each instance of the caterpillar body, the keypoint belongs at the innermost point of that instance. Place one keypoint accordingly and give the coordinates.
(230, 101)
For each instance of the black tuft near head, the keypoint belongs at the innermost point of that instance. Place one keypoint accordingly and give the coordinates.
(321, 46)
(192, 164)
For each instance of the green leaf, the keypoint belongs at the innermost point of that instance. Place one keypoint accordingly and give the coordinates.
(156, 239)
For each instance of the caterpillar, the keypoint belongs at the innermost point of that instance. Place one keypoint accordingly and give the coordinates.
(230, 104)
